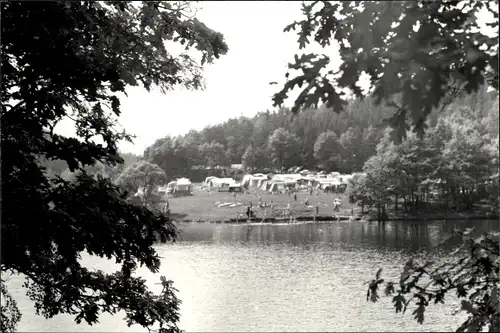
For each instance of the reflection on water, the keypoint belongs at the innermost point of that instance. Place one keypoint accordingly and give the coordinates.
(410, 236)
(302, 277)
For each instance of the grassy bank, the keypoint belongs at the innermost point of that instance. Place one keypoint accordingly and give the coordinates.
(204, 205)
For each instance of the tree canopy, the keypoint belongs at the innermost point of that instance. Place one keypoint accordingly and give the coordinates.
(144, 177)
(328, 151)
(415, 53)
(472, 273)
(284, 148)
(70, 60)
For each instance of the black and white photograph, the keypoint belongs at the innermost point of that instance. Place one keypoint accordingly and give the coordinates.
(249, 166)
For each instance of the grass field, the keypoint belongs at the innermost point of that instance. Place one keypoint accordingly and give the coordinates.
(203, 205)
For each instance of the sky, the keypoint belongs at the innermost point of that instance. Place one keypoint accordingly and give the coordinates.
(236, 84)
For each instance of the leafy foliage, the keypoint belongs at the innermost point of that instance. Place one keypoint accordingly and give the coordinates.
(415, 53)
(472, 274)
(255, 158)
(142, 176)
(69, 60)
(454, 166)
(177, 155)
(213, 153)
(284, 148)
(173, 155)
(356, 191)
(328, 151)
(60, 168)
(10, 315)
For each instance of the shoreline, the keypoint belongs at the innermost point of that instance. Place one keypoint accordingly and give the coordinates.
(324, 218)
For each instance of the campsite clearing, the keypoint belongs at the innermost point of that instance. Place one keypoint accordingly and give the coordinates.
(209, 206)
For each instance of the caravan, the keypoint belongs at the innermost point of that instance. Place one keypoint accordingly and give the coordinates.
(180, 187)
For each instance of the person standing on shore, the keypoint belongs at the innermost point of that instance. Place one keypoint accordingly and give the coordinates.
(249, 211)
(166, 208)
(336, 204)
(289, 211)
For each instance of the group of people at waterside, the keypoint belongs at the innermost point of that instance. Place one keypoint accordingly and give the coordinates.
(288, 211)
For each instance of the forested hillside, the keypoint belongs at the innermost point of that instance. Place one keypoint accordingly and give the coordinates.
(313, 138)
(454, 166)
(54, 168)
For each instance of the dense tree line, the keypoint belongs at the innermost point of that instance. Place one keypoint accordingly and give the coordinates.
(314, 139)
(277, 139)
(455, 165)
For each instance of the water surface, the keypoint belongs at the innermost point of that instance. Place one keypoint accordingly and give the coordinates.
(303, 277)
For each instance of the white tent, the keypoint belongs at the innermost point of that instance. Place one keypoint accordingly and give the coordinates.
(221, 182)
(246, 179)
(257, 180)
(276, 186)
(183, 182)
(236, 187)
(171, 186)
(181, 186)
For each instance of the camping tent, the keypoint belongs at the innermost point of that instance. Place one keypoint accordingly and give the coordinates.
(257, 180)
(246, 179)
(235, 188)
(276, 186)
(265, 185)
(222, 184)
(171, 187)
(181, 187)
(217, 182)
(208, 179)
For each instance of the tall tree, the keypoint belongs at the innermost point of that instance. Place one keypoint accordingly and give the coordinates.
(144, 177)
(214, 154)
(69, 60)
(234, 150)
(174, 155)
(255, 158)
(284, 148)
(415, 53)
(351, 142)
(328, 151)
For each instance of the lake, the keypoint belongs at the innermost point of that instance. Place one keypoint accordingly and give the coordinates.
(271, 277)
